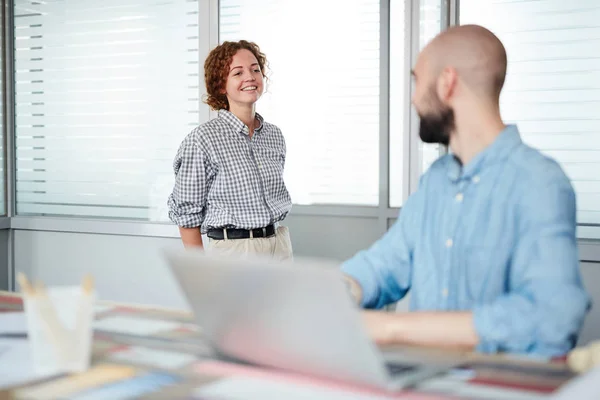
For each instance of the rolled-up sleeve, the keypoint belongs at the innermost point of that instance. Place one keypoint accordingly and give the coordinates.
(188, 198)
(384, 270)
(545, 307)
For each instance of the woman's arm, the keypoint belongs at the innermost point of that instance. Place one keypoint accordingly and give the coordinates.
(188, 198)
(191, 237)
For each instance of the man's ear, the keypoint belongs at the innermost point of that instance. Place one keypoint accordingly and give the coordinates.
(446, 84)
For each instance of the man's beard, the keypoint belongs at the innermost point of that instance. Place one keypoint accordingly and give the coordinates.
(435, 126)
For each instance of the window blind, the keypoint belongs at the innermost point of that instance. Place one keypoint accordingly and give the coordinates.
(553, 84)
(323, 91)
(105, 92)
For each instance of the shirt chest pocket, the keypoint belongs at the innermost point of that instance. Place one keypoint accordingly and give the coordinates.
(485, 273)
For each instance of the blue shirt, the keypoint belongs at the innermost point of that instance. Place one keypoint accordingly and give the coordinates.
(496, 237)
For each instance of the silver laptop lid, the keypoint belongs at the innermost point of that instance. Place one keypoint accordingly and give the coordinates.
(296, 316)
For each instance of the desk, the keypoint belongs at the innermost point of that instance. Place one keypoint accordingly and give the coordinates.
(130, 355)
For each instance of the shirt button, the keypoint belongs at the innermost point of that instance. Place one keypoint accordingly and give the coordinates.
(459, 197)
(449, 243)
(445, 292)
(476, 179)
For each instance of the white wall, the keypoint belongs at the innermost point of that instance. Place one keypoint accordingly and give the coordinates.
(125, 268)
(131, 268)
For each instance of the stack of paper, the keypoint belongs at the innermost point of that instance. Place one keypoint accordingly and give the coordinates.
(241, 388)
(15, 363)
(134, 326)
(13, 324)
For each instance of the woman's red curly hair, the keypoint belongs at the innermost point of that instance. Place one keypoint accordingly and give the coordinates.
(216, 70)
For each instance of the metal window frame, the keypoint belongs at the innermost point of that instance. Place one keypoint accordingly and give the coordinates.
(589, 249)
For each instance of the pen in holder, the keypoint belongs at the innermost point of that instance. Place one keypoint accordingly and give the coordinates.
(59, 321)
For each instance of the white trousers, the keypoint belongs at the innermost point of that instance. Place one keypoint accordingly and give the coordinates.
(278, 247)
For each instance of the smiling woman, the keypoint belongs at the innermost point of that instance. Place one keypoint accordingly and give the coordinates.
(229, 171)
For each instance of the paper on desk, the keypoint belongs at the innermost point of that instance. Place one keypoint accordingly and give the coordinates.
(132, 388)
(134, 326)
(101, 308)
(16, 366)
(241, 388)
(154, 358)
(13, 323)
(64, 387)
(457, 387)
(584, 387)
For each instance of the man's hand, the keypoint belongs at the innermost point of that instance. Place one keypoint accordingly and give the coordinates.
(354, 289)
(437, 329)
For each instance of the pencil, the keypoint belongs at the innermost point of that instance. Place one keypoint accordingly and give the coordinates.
(52, 326)
(83, 315)
(25, 285)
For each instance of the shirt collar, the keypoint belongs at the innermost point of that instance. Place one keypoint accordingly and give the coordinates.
(499, 150)
(237, 125)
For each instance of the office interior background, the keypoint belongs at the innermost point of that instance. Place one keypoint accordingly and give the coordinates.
(97, 95)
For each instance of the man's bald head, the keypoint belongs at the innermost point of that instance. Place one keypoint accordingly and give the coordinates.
(462, 66)
(476, 54)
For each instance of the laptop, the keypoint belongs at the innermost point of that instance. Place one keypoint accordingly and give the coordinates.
(297, 317)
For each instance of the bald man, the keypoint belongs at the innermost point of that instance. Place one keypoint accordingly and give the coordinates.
(487, 244)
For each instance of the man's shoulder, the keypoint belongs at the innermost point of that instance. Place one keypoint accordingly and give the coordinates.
(536, 167)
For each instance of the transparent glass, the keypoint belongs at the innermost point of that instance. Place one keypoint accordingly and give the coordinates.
(552, 89)
(105, 92)
(323, 91)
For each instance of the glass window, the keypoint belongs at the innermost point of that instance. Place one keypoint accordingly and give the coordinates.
(552, 89)
(105, 92)
(429, 26)
(323, 91)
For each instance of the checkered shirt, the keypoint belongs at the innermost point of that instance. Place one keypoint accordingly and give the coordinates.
(225, 179)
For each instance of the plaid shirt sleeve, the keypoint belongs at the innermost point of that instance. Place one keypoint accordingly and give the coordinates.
(284, 150)
(192, 175)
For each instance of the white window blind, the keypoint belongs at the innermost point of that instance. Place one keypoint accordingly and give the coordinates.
(553, 84)
(105, 92)
(323, 91)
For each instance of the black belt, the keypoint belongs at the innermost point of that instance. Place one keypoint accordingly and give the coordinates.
(233, 233)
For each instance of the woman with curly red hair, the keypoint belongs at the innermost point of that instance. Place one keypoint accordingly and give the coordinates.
(229, 171)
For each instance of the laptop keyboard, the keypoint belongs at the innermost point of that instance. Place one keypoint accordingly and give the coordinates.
(396, 368)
